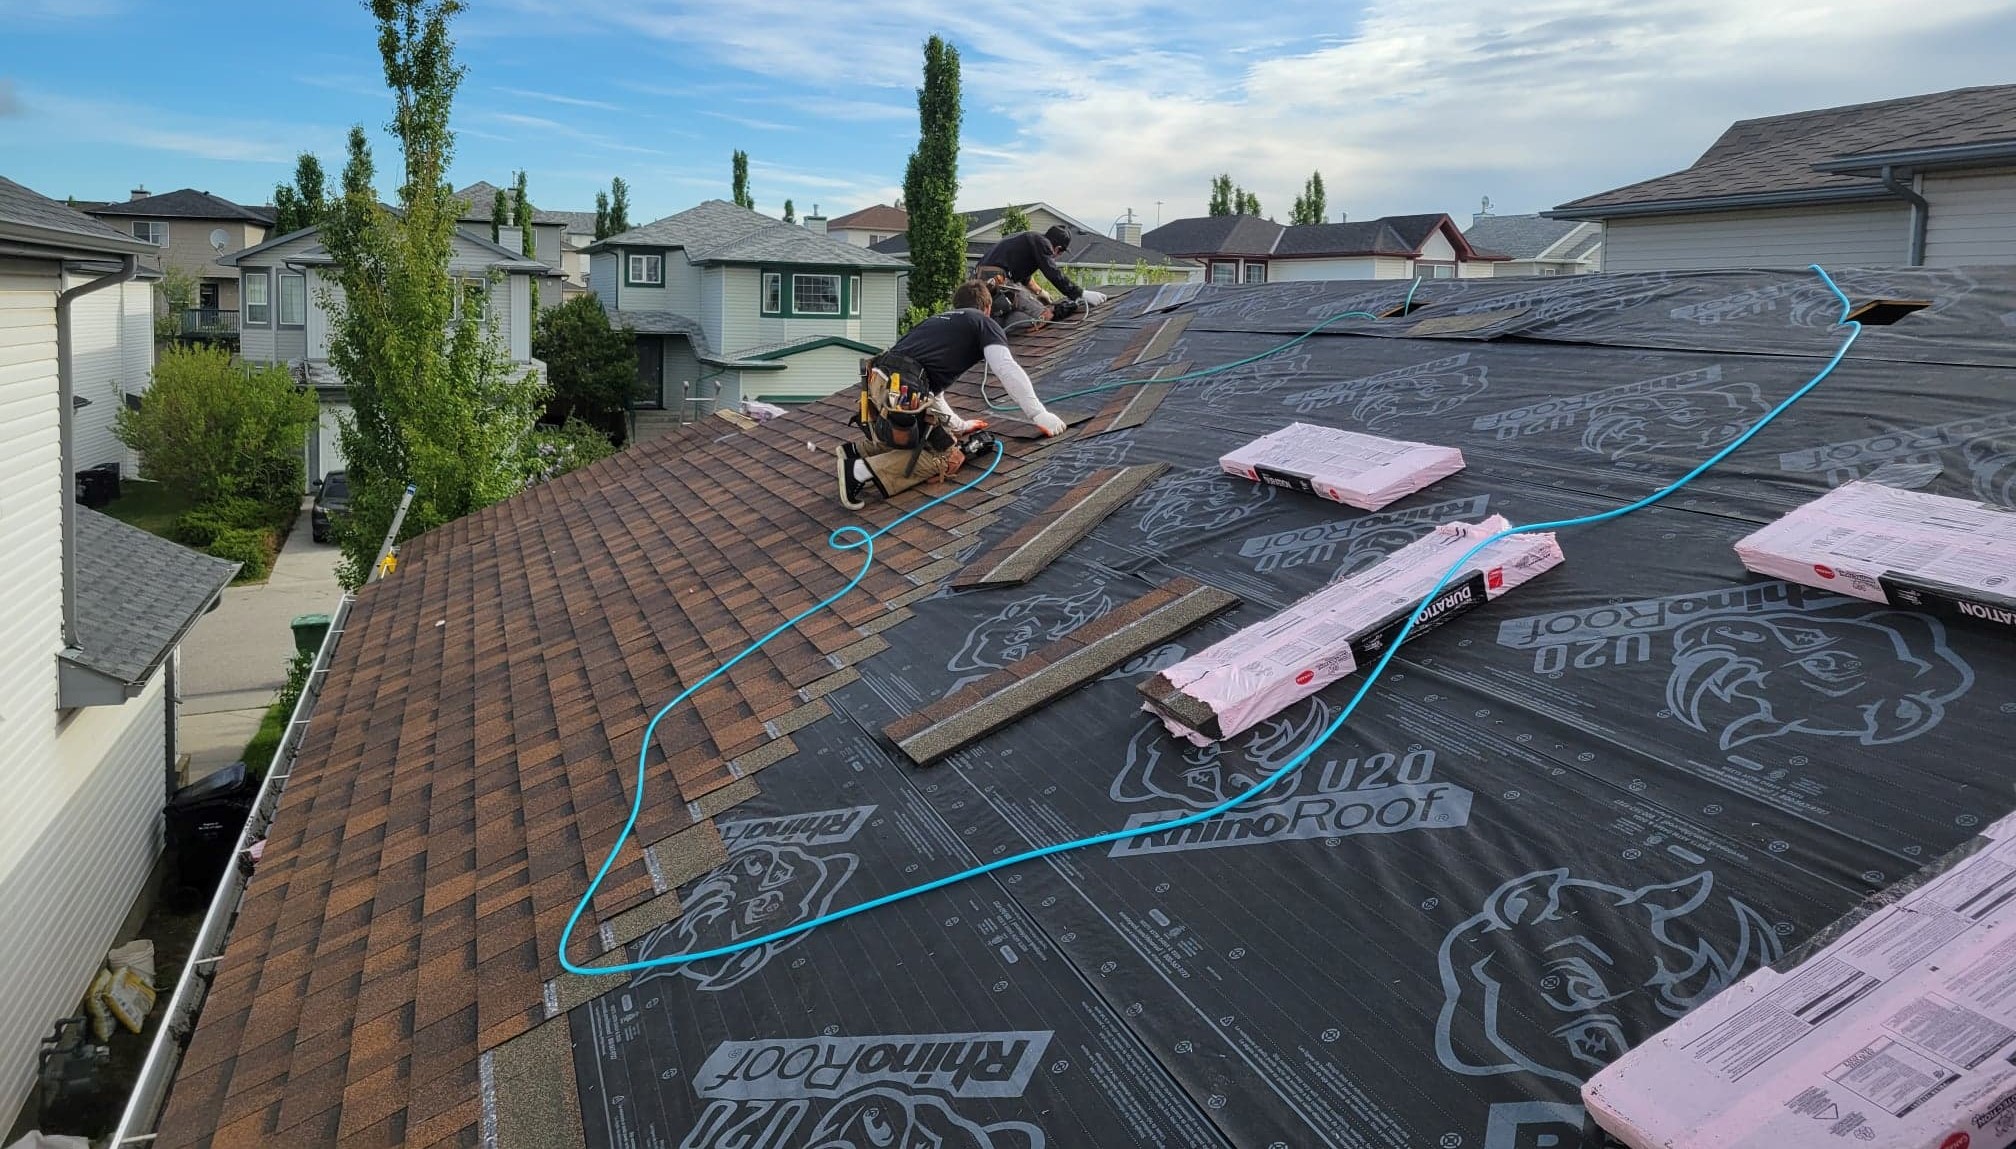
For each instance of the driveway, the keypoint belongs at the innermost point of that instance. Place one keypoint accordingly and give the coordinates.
(235, 658)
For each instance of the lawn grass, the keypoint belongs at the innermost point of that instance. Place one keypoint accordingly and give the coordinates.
(150, 506)
(259, 752)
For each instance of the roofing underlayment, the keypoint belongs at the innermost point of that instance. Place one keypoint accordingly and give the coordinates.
(1559, 822)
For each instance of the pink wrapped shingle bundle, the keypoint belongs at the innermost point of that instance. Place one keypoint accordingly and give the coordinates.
(1850, 538)
(1363, 471)
(1252, 675)
(1895, 1034)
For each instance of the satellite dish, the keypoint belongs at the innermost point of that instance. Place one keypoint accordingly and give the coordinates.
(218, 238)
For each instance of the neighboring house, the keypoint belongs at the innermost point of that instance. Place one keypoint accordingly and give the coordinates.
(1090, 261)
(1248, 249)
(729, 304)
(95, 613)
(986, 224)
(111, 363)
(1536, 245)
(867, 227)
(287, 319)
(190, 229)
(1922, 180)
(553, 235)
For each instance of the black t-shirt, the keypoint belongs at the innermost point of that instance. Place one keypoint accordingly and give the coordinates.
(946, 345)
(1024, 254)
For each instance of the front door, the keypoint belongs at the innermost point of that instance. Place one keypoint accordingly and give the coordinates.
(206, 306)
(650, 371)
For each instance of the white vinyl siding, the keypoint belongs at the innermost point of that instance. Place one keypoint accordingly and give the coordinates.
(327, 450)
(602, 277)
(1856, 235)
(518, 317)
(811, 374)
(111, 354)
(1973, 219)
(1357, 267)
(84, 854)
(731, 305)
(679, 293)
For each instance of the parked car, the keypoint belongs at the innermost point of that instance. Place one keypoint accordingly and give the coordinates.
(333, 499)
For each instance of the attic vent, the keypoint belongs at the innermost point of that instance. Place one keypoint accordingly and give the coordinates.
(1401, 310)
(1884, 312)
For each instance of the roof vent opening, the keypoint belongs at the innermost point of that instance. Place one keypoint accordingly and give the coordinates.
(1884, 312)
(1402, 310)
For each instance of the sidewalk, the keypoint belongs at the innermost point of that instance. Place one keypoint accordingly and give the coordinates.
(235, 659)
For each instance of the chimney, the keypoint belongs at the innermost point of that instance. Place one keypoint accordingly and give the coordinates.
(1128, 233)
(137, 193)
(814, 221)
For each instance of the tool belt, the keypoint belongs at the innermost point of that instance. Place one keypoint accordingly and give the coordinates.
(883, 417)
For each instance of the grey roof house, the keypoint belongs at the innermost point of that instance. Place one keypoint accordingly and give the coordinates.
(286, 319)
(730, 304)
(1536, 245)
(1248, 249)
(1922, 180)
(189, 230)
(1091, 260)
(560, 237)
(95, 612)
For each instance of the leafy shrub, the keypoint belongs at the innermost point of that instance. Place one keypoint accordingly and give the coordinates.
(218, 429)
(554, 451)
(242, 545)
(200, 527)
(297, 680)
(591, 366)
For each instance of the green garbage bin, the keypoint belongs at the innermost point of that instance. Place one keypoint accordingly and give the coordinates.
(309, 630)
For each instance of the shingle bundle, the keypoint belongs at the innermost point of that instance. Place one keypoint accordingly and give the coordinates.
(1849, 539)
(1358, 470)
(1242, 680)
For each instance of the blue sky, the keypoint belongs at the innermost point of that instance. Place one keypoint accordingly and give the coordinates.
(1404, 105)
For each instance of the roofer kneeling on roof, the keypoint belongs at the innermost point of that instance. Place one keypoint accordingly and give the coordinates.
(1009, 269)
(910, 434)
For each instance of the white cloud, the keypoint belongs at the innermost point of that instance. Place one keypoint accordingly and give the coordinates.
(48, 116)
(752, 122)
(557, 98)
(553, 127)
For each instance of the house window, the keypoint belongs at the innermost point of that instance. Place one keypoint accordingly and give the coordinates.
(151, 230)
(258, 308)
(1256, 273)
(773, 293)
(1224, 273)
(854, 295)
(1424, 269)
(293, 299)
(644, 271)
(469, 297)
(815, 294)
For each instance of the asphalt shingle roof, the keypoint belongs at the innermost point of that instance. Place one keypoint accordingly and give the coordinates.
(717, 231)
(482, 199)
(34, 212)
(136, 595)
(1215, 235)
(1776, 154)
(1085, 249)
(1249, 235)
(186, 203)
(879, 217)
(1519, 236)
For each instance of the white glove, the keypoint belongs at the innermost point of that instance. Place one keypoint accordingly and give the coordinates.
(1092, 299)
(1050, 424)
(946, 414)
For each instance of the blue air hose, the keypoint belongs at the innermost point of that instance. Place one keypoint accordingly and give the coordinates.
(852, 537)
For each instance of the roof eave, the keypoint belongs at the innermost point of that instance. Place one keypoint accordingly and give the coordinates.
(59, 244)
(1799, 198)
(1949, 156)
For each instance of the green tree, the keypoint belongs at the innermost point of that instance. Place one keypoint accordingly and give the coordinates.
(740, 164)
(591, 365)
(601, 215)
(303, 203)
(177, 292)
(1221, 195)
(1310, 206)
(791, 213)
(434, 403)
(218, 430)
(619, 206)
(1015, 220)
(500, 212)
(528, 239)
(1249, 204)
(931, 183)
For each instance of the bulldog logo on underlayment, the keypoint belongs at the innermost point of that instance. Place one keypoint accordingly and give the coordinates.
(1240, 384)
(1991, 461)
(1072, 463)
(1880, 678)
(1765, 660)
(1009, 634)
(1390, 397)
(882, 1118)
(1985, 445)
(1554, 972)
(1692, 420)
(762, 888)
(1160, 767)
(1184, 504)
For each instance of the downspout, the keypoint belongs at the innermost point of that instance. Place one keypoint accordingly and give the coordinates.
(1920, 213)
(128, 268)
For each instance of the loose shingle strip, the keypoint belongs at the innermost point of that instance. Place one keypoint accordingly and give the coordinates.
(1131, 406)
(1057, 527)
(1057, 669)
